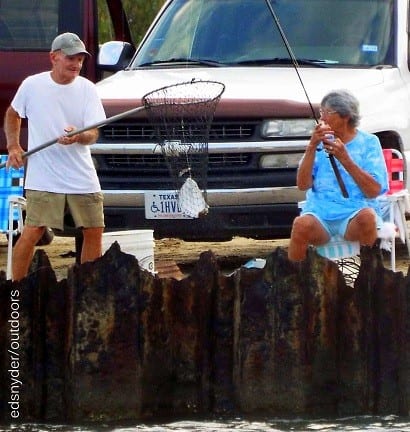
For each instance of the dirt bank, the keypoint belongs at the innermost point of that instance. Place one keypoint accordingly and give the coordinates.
(231, 254)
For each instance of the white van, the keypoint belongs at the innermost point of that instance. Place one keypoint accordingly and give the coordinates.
(266, 114)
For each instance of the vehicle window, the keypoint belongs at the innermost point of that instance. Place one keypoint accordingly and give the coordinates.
(28, 24)
(105, 28)
(345, 32)
(140, 16)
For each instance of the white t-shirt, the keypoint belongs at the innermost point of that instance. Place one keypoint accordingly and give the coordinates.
(49, 108)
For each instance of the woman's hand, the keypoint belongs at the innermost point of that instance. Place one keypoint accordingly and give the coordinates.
(321, 133)
(336, 147)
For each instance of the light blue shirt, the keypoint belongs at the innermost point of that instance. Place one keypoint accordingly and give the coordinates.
(325, 198)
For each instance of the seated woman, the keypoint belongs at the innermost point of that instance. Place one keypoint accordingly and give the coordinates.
(359, 158)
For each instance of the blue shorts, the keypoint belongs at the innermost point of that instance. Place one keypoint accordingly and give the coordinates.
(339, 226)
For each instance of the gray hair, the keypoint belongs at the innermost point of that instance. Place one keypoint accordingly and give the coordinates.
(344, 103)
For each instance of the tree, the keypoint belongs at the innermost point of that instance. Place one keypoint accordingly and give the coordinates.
(139, 15)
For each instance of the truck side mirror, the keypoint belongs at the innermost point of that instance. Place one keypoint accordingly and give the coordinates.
(115, 55)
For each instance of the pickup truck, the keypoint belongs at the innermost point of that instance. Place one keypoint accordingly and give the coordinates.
(277, 59)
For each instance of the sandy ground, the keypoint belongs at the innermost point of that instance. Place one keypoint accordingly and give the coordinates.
(231, 254)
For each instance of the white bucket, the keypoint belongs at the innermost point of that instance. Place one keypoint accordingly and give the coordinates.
(139, 243)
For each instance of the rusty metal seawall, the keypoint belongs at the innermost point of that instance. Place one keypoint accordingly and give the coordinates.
(115, 342)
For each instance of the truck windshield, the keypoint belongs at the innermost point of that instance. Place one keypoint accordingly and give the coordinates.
(235, 32)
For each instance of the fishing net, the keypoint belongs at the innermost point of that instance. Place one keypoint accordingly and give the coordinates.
(181, 115)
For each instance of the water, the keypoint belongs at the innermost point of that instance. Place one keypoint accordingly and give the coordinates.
(348, 424)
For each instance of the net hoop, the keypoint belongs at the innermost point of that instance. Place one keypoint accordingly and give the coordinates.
(186, 93)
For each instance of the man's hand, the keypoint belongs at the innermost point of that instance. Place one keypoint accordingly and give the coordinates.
(67, 140)
(85, 138)
(15, 159)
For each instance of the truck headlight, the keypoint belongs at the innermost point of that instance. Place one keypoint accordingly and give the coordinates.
(287, 128)
(280, 160)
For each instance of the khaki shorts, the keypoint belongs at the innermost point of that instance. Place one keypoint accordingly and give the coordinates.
(48, 209)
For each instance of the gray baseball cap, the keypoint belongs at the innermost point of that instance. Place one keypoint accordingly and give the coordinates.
(69, 44)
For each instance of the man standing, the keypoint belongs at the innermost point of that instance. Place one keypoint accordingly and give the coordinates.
(61, 177)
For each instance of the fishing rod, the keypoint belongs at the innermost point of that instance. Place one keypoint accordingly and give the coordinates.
(296, 66)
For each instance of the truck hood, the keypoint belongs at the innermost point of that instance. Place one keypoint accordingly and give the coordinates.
(256, 83)
(270, 91)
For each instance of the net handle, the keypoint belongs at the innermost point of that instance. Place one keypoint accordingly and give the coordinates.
(109, 120)
(78, 131)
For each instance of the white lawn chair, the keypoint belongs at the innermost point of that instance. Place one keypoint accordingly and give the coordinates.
(12, 204)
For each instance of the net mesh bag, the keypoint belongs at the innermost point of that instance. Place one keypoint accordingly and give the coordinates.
(181, 115)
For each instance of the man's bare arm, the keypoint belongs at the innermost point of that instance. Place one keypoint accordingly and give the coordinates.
(12, 128)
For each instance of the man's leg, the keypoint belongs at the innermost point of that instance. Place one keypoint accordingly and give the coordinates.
(92, 244)
(306, 230)
(88, 213)
(23, 251)
(362, 228)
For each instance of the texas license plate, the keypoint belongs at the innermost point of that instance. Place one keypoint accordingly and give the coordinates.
(162, 205)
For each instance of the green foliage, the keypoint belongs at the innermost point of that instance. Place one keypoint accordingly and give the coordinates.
(140, 14)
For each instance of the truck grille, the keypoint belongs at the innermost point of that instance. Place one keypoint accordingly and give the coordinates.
(135, 161)
(138, 132)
